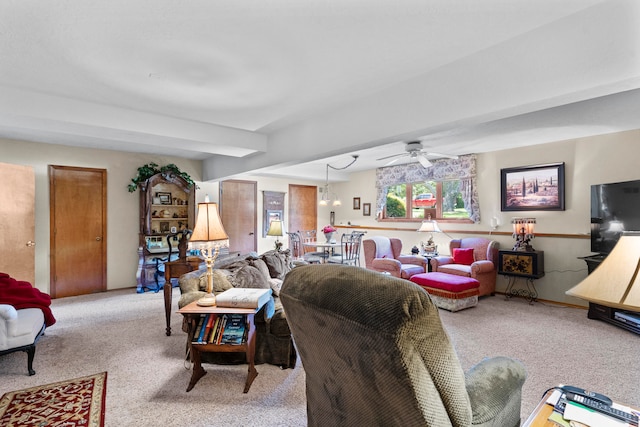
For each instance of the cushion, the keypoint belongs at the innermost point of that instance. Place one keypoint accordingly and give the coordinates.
(220, 281)
(248, 277)
(448, 282)
(275, 284)
(260, 265)
(277, 264)
(463, 256)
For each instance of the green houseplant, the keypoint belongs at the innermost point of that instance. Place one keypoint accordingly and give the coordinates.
(147, 171)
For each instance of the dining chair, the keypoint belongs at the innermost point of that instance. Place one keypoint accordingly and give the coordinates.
(349, 249)
(298, 250)
(309, 236)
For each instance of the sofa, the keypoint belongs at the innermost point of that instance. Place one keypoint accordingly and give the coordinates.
(274, 344)
(474, 257)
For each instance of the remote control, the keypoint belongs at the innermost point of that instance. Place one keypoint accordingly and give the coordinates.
(602, 407)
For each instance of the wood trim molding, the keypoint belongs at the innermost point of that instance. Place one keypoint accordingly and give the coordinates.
(474, 232)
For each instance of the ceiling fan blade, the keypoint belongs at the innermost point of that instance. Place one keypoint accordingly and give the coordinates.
(423, 160)
(447, 156)
(393, 155)
(392, 161)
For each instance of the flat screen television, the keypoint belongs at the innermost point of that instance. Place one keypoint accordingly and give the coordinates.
(615, 208)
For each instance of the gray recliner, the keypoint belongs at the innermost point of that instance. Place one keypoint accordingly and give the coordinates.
(375, 353)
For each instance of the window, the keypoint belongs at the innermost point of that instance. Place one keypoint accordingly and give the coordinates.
(446, 191)
(420, 200)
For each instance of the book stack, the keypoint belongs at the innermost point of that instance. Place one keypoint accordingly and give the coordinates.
(221, 329)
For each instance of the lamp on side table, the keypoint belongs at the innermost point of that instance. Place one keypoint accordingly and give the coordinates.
(208, 237)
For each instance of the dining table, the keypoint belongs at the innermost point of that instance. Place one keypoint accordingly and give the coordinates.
(328, 248)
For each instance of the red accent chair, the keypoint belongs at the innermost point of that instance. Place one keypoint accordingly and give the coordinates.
(483, 267)
(384, 254)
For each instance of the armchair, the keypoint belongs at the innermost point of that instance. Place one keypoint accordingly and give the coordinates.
(24, 315)
(382, 356)
(384, 254)
(481, 266)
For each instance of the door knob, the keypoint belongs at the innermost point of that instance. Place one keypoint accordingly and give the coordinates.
(251, 233)
(98, 239)
(31, 243)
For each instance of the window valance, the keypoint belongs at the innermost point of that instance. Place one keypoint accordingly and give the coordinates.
(463, 168)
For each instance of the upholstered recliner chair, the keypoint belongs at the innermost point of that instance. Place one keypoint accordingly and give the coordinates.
(474, 257)
(384, 254)
(375, 353)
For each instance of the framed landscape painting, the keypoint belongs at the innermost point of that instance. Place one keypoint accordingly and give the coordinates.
(533, 188)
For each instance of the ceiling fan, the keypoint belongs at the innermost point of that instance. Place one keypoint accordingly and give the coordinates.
(414, 149)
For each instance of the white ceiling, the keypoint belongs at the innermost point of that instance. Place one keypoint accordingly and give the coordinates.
(281, 87)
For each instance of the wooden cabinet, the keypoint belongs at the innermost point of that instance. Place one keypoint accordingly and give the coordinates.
(167, 205)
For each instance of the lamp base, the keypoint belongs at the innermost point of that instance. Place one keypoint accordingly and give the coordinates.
(209, 300)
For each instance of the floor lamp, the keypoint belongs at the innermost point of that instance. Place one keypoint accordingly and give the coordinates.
(208, 237)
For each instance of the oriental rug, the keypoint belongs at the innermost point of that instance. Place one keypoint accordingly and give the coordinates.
(76, 402)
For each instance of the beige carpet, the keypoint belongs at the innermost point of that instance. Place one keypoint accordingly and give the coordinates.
(123, 333)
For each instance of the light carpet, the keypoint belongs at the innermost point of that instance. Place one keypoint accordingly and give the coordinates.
(124, 333)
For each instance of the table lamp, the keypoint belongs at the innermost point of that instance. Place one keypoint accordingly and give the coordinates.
(208, 237)
(523, 233)
(275, 229)
(429, 226)
(615, 283)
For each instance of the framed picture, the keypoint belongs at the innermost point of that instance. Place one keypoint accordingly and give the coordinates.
(533, 188)
(164, 226)
(273, 203)
(366, 209)
(165, 198)
(356, 203)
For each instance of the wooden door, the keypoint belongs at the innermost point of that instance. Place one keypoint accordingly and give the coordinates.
(78, 211)
(17, 221)
(239, 214)
(303, 207)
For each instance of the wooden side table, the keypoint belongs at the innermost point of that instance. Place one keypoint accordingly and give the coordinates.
(519, 264)
(192, 312)
(173, 270)
(539, 416)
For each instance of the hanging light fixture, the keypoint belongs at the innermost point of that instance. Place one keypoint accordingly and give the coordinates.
(325, 200)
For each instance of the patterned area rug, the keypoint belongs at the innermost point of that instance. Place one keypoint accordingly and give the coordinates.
(76, 402)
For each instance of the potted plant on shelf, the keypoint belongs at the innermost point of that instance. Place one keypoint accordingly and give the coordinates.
(147, 171)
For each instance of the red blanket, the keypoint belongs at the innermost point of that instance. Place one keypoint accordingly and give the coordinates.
(22, 295)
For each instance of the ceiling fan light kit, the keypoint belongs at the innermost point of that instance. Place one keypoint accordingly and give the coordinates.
(414, 150)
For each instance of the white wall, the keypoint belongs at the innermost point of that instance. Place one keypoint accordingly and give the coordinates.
(607, 158)
(122, 206)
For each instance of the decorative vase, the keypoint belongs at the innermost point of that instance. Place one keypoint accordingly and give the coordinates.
(328, 236)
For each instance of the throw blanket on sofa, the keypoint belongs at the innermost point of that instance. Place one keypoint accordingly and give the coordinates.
(22, 295)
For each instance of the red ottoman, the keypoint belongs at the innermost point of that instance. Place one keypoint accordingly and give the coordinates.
(449, 291)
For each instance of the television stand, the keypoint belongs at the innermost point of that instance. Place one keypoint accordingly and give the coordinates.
(625, 319)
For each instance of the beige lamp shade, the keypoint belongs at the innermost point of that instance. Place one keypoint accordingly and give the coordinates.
(430, 226)
(275, 228)
(615, 283)
(208, 226)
